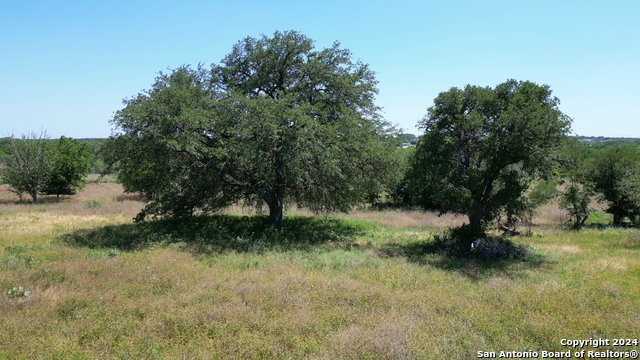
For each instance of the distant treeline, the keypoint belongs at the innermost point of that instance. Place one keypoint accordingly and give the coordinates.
(591, 145)
(608, 141)
(92, 144)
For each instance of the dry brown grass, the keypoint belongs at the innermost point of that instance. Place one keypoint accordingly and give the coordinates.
(408, 219)
(98, 205)
(390, 218)
(569, 249)
(96, 194)
(550, 216)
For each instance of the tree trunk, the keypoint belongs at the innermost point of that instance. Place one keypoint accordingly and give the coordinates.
(275, 201)
(275, 214)
(584, 220)
(474, 220)
(475, 225)
(578, 223)
(34, 196)
(617, 219)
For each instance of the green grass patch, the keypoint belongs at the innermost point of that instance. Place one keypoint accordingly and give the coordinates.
(599, 218)
(93, 204)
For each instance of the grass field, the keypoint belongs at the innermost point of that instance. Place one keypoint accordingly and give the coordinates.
(364, 285)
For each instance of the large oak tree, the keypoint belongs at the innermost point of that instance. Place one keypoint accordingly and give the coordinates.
(276, 120)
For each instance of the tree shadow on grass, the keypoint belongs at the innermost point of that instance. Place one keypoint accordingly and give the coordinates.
(220, 233)
(476, 268)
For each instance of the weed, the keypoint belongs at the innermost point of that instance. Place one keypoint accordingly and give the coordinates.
(18, 262)
(630, 239)
(70, 308)
(93, 204)
(49, 276)
(178, 245)
(15, 250)
(18, 292)
(599, 217)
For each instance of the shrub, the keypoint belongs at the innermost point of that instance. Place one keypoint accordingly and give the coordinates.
(487, 247)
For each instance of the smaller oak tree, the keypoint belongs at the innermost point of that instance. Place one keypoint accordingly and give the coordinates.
(27, 167)
(71, 162)
(616, 178)
(577, 191)
(482, 147)
(37, 165)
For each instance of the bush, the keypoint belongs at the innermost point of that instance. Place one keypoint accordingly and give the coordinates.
(453, 242)
(37, 165)
(499, 249)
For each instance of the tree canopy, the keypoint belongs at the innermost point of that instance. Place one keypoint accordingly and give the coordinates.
(26, 169)
(482, 147)
(276, 120)
(616, 177)
(37, 165)
(71, 162)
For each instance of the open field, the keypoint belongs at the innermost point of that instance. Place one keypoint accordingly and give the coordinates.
(361, 285)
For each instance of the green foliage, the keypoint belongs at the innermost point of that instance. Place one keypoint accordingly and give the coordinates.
(542, 193)
(601, 142)
(406, 139)
(27, 168)
(387, 193)
(99, 162)
(275, 120)
(525, 206)
(576, 201)
(598, 218)
(616, 177)
(71, 163)
(482, 147)
(93, 204)
(630, 186)
(578, 190)
(5, 148)
(454, 241)
(37, 165)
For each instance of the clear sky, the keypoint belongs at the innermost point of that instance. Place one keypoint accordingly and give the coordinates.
(65, 66)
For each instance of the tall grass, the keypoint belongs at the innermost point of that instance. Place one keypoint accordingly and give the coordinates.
(363, 285)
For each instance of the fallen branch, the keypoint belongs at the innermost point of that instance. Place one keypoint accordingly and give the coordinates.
(508, 231)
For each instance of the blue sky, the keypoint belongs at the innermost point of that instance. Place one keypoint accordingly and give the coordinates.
(65, 66)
